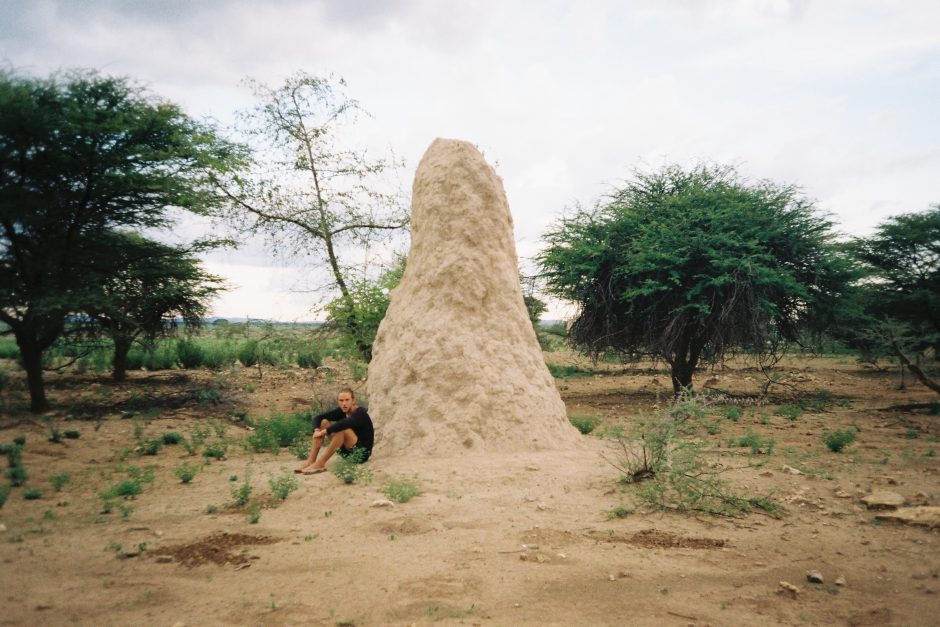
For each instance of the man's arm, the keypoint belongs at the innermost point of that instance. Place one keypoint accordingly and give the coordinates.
(349, 422)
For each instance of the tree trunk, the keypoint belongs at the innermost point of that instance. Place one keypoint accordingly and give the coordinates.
(681, 378)
(121, 347)
(32, 363)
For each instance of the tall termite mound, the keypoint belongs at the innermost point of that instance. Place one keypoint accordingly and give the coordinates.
(456, 364)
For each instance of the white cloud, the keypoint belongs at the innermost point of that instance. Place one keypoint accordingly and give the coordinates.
(564, 97)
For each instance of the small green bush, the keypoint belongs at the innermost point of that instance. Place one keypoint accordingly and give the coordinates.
(254, 513)
(242, 494)
(838, 440)
(59, 480)
(20, 440)
(215, 450)
(4, 494)
(208, 396)
(127, 488)
(584, 424)
(282, 486)
(189, 354)
(301, 446)
(309, 358)
(350, 469)
(618, 512)
(568, 372)
(732, 413)
(278, 430)
(14, 453)
(152, 446)
(401, 490)
(186, 471)
(172, 437)
(31, 494)
(73, 434)
(757, 443)
(790, 412)
(17, 475)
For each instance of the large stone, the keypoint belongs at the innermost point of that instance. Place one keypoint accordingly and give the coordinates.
(456, 364)
(883, 499)
(926, 516)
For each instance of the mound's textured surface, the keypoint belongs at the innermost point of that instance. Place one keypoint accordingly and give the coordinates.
(456, 365)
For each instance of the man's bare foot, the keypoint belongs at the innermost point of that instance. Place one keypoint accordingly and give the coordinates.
(312, 470)
(303, 468)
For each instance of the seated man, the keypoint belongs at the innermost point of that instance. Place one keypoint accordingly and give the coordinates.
(350, 429)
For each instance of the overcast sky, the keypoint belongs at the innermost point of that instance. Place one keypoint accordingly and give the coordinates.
(563, 97)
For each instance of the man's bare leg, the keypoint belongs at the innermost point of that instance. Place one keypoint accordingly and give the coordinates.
(314, 448)
(346, 438)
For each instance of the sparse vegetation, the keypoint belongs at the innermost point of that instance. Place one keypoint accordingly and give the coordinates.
(59, 480)
(401, 490)
(584, 424)
(839, 439)
(172, 437)
(759, 445)
(279, 430)
(186, 471)
(31, 494)
(350, 469)
(282, 486)
(4, 494)
(242, 494)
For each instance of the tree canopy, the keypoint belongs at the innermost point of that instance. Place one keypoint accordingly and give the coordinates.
(153, 286)
(81, 155)
(308, 192)
(687, 265)
(900, 292)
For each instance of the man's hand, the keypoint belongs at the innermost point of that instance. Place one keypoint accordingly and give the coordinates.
(319, 433)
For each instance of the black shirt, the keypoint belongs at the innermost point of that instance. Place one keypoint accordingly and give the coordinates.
(359, 421)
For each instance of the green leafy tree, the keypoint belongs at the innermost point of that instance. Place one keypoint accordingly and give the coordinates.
(153, 286)
(309, 194)
(81, 155)
(370, 299)
(687, 265)
(902, 290)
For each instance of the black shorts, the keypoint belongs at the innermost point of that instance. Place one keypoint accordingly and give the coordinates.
(363, 456)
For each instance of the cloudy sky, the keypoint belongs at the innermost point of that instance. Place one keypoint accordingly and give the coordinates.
(563, 97)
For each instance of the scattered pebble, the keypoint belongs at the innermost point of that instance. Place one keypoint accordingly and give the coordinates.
(530, 547)
(532, 467)
(840, 580)
(3, 528)
(883, 499)
(611, 577)
(164, 559)
(790, 470)
(787, 589)
(382, 503)
(814, 576)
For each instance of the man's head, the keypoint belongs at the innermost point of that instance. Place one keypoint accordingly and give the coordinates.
(346, 400)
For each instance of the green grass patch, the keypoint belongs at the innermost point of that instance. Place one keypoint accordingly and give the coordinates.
(584, 424)
(838, 440)
(569, 372)
(401, 490)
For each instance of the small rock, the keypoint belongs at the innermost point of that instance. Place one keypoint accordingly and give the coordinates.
(787, 589)
(530, 547)
(530, 499)
(925, 515)
(3, 528)
(532, 467)
(790, 470)
(840, 580)
(128, 554)
(44, 606)
(562, 555)
(611, 577)
(842, 494)
(164, 559)
(882, 499)
(623, 574)
(382, 503)
(766, 473)
(814, 576)
(179, 623)
(524, 557)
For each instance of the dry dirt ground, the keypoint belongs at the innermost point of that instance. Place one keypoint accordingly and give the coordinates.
(521, 539)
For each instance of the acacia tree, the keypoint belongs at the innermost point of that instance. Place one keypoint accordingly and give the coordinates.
(82, 154)
(308, 194)
(687, 265)
(902, 288)
(154, 286)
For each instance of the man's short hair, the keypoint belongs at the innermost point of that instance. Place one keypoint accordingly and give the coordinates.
(350, 390)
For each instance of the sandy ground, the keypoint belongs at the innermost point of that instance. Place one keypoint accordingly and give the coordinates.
(508, 539)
